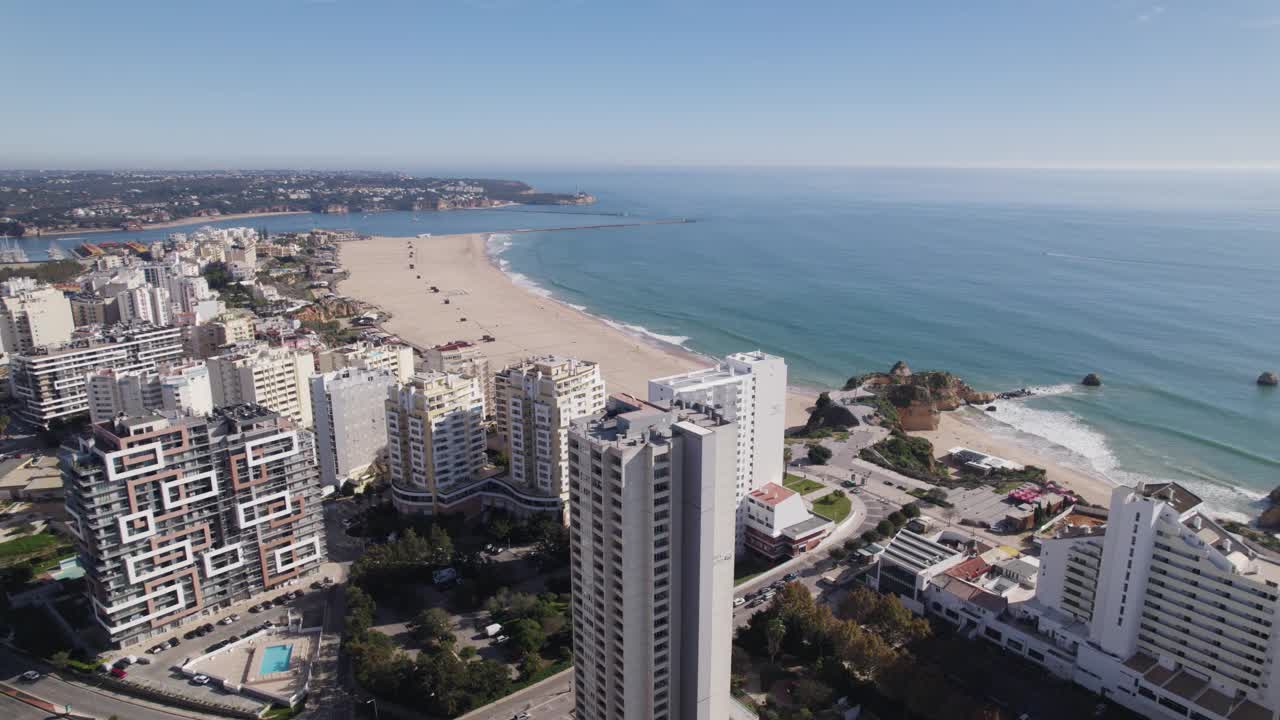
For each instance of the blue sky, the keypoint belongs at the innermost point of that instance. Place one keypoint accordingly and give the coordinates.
(565, 83)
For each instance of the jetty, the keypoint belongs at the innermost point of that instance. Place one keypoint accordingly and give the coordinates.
(602, 226)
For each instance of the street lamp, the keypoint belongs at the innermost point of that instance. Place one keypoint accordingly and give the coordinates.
(375, 706)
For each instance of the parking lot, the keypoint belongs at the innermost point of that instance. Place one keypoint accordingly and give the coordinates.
(159, 670)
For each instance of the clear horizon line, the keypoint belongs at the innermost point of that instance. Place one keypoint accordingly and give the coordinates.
(673, 166)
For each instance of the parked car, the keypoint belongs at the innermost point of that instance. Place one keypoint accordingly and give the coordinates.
(255, 608)
(739, 602)
(173, 642)
(235, 617)
(144, 661)
(200, 680)
(30, 676)
(118, 673)
(791, 577)
(155, 649)
(207, 627)
(226, 621)
(500, 639)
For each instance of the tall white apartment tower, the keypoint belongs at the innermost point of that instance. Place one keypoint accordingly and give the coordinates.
(348, 407)
(32, 316)
(536, 399)
(749, 388)
(652, 545)
(435, 438)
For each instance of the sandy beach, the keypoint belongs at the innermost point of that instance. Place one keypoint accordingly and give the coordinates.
(524, 323)
(484, 301)
(955, 431)
(171, 224)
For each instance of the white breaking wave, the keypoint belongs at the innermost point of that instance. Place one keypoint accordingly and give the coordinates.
(1068, 439)
(677, 340)
(1075, 440)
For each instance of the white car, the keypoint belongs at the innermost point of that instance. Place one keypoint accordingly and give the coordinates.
(739, 602)
(200, 680)
(30, 676)
(226, 621)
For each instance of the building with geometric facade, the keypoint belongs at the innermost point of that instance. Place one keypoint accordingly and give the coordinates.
(178, 516)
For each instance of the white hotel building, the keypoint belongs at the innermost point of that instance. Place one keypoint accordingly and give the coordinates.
(1158, 608)
(750, 389)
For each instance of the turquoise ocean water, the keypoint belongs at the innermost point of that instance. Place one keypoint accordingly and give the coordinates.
(1167, 284)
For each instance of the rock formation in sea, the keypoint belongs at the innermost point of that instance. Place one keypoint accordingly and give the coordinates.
(1269, 378)
(900, 369)
(1092, 380)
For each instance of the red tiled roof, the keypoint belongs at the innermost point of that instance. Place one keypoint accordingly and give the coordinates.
(771, 494)
(974, 567)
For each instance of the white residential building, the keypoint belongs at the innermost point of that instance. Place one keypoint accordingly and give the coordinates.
(652, 548)
(183, 388)
(536, 400)
(435, 438)
(32, 316)
(368, 356)
(276, 378)
(146, 304)
(50, 383)
(463, 358)
(750, 388)
(349, 410)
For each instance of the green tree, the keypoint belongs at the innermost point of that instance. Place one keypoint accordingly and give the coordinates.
(819, 454)
(911, 510)
(775, 633)
(897, 518)
(885, 528)
(530, 665)
(4, 424)
(823, 402)
(432, 627)
(60, 659)
(526, 636)
(837, 553)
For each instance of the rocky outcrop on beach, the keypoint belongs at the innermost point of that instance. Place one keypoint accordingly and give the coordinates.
(1092, 380)
(1269, 379)
(900, 369)
(829, 416)
(327, 309)
(1270, 518)
(919, 397)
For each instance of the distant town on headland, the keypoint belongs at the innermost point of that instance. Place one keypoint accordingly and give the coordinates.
(38, 202)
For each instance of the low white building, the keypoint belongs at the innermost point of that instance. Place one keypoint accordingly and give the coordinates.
(779, 525)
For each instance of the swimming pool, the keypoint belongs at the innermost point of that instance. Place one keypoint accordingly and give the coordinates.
(275, 659)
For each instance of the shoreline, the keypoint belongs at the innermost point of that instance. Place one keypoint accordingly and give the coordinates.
(485, 298)
(169, 223)
(955, 429)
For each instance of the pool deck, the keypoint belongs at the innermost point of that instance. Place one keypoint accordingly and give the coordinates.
(241, 664)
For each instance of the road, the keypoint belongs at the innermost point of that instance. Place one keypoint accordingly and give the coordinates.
(550, 699)
(83, 698)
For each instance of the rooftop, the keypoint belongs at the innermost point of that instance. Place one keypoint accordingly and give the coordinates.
(917, 552)
(1178, 497)
(771, 494)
